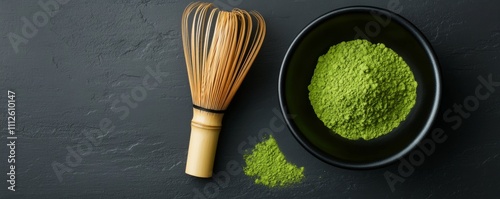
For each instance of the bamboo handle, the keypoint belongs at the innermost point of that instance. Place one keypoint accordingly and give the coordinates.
(205, 128)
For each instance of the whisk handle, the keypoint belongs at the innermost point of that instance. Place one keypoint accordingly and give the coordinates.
(205, 129)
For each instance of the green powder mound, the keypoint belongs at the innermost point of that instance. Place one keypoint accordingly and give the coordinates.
(267, 164)
(362, 90)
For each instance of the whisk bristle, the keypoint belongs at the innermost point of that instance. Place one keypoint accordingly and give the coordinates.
(219, 48)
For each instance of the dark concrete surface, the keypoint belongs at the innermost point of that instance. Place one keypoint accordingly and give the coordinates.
(71, 74)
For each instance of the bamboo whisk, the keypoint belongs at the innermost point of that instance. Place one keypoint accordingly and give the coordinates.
(219, 47)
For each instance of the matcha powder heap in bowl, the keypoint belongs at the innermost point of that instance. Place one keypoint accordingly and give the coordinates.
(267, 164)
(361, 90)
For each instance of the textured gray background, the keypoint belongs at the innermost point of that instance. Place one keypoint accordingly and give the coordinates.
(91, 52)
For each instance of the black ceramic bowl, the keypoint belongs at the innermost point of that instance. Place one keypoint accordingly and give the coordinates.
(378, 26)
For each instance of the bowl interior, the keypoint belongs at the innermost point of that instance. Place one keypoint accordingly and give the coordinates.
(344, 25)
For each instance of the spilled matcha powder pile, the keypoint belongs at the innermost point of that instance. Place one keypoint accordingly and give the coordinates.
(362, 90)
(267, 164)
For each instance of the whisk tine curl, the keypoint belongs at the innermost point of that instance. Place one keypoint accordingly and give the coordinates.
(219, 48)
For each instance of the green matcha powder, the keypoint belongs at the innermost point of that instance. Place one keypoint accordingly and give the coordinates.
(267, 164)
(362, 90)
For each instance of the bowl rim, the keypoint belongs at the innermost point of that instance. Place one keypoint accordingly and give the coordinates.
(422, 40)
